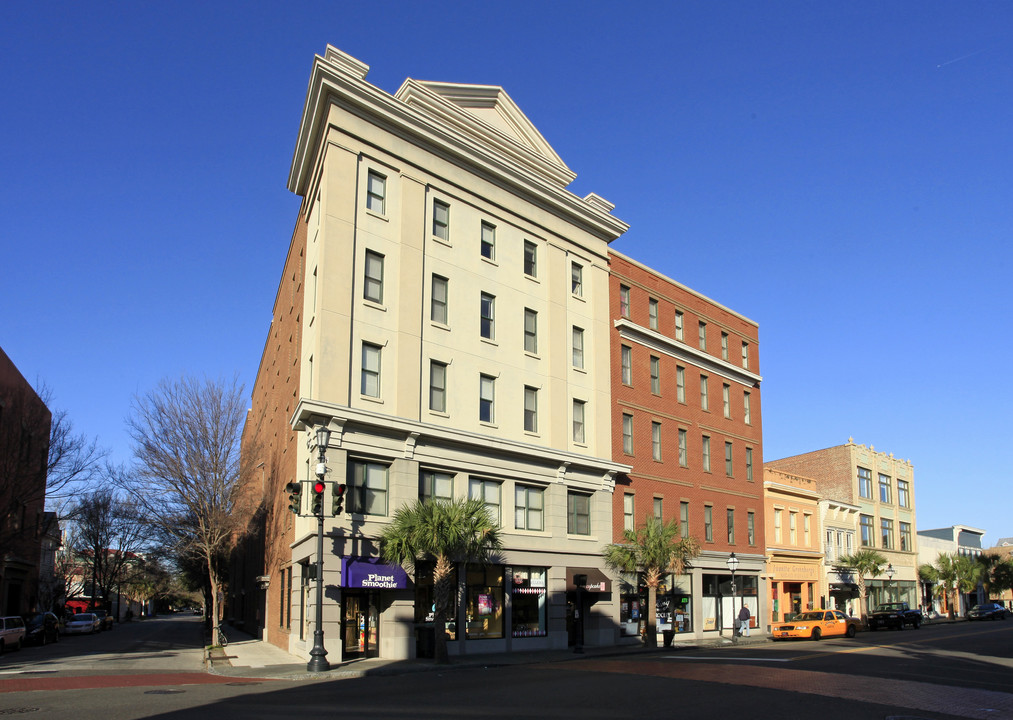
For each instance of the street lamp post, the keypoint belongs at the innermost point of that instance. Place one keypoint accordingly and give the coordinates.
(733, 564)
(318, 655)
(889, 579)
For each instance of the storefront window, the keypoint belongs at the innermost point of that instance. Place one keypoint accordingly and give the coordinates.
(721, 606)
(425, 609)
(674, 598)
(528, 603)
(485, 602)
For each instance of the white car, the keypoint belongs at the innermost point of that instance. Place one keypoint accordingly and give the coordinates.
(82, 624)
(12, 632)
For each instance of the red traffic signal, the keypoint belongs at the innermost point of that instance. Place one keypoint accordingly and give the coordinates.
(318, 497)
(319, 487)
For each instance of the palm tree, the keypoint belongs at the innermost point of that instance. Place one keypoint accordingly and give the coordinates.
(928, 576)
(947, 573)
(864, 562)
(655, 548)
(445, 532)
(969, 572)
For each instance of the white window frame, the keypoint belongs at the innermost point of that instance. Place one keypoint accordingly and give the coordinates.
(371, 367)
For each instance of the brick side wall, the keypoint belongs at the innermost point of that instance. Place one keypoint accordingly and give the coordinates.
(830, 468)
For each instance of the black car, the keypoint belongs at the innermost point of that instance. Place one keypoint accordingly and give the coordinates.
(106, 620)
(42, 628)
(988, 611)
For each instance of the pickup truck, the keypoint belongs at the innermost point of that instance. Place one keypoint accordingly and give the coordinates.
(895, 615)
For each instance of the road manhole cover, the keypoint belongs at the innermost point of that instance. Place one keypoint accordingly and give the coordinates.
(163, 692)
(17, 711)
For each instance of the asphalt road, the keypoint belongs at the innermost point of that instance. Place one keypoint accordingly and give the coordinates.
(945, 671)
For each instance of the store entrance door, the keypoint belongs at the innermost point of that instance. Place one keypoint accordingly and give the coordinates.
(360, 625)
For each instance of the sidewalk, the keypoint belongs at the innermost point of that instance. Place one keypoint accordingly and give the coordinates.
(250, 657)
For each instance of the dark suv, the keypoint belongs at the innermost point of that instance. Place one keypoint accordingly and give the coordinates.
(42, 628)
(105, 619)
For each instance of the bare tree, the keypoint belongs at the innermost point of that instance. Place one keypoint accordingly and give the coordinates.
(188, 467)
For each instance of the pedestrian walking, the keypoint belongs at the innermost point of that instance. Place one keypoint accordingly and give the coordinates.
(744, 621)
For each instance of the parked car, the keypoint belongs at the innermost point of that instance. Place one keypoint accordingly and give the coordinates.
(988, 611)
(12, 633)
(895, 615)
(82, 624)
(816, 624)
(42, 628)
(105, 620)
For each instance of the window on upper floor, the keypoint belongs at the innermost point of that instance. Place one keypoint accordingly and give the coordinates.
(624, 302)
(578, 513)
(886, 531)
(577, 279)
(745, 355)
(487, 243)
(704, 400)
(680, 383)
(577, 340)
(730, 520)
(703, 335)
(486, 398)
(865, 483)
(436, 486)
(751, 528)
(865, 526)
(488, 491)
(684, 519)
(724, 346)
(656, 440)
(629, 522)
(746, 408)
(487, 316)
(438, 303)
(626, 364)
(658, 509)
(530, 331)
(530, 259)
(370, 385)
(792, 529)
(905, 537)
(530, 409)
(678, 324)
(683, 449)
(441, 220)
(749, 464)
(529, 503)
(372, 288)
(578, 421)
(706, 453)
(903, 495)
(652, 313)
(376, 192)
(437, 386)
(708, 523)
(728, 460)
(367, 488)
(627, 433)
(885, 489)
(726, 399)
(655, 375)
(777, 525)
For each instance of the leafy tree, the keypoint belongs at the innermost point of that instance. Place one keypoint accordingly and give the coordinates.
(996, 573)
(446, 533)
(969, 573)
(655, 549)
(946, 571)
(189, 471)
(928, 576)
(864, 562)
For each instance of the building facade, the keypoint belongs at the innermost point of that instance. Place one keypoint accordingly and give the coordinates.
(24, 456)
(686, 417)
(435, 283)
(839, 520)
(959, 540)
(882, 487)
(794, 556)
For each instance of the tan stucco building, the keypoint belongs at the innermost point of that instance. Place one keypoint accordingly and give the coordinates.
(795, 576)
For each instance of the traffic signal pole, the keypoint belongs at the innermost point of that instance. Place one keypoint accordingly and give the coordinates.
(318, 655)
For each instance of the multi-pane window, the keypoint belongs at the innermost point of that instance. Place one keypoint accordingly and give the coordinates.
(629, 521)
(530, 331)
(576, 279)
(792, 529)
(708, 523)
(751, 528)
(656, 440)
(865, 483)
(726, 399)
(728, 459)
(627, 433)
(376, 192)
(367, 488)
(704, 400)
(655, 375)
(578, 421)
(438, 303)
(749, 464)
(886, 532)
(905, 537)
(441, 220)
(684, 519)
(885, 489)
(578, 513)
(530, 259)
(436, 486)
(680, 383)
(577, 341)
(865, 525)
(806, 528)
(488, 241)
(730, 516)
(724, 346)
(683, 449)
(488, 491)
(626, 364)
(487, 316)
(903, 496)
(678, 324)
(372, 287)
(746, 408)
(777, 524)
(437, 386)
(530, 409)
(706, 454)
(624, 301)
(370, 386)
(658, 509)
(528, 507)
(745, 355)
(652, 314)
(486, 398)
(702, 331)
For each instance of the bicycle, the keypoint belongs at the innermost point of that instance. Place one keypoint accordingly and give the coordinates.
(218, 636)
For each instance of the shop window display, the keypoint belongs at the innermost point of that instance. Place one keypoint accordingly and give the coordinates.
(425, 609)
(528, 603)
(485, 602)
(674, 599)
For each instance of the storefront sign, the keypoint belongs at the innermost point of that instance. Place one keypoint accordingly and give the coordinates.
(371, 574)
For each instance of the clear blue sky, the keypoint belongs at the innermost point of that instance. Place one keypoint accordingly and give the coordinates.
(842, 173)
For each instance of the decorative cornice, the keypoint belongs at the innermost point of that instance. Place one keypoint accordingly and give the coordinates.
(681, 351)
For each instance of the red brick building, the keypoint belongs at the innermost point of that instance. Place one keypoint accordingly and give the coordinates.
(686, 416)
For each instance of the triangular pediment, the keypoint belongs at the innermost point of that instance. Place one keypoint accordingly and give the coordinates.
(493, 109)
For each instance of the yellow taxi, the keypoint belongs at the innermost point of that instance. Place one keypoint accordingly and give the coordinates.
(816, 624)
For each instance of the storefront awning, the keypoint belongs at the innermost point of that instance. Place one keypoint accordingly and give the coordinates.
(844, 587)
(596, 580)
(371, 574)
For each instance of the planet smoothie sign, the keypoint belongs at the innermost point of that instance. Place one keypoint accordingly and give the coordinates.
(371, 574)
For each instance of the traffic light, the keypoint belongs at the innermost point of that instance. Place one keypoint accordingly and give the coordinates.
(294, 490)
(318, 497)
(337, 498)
